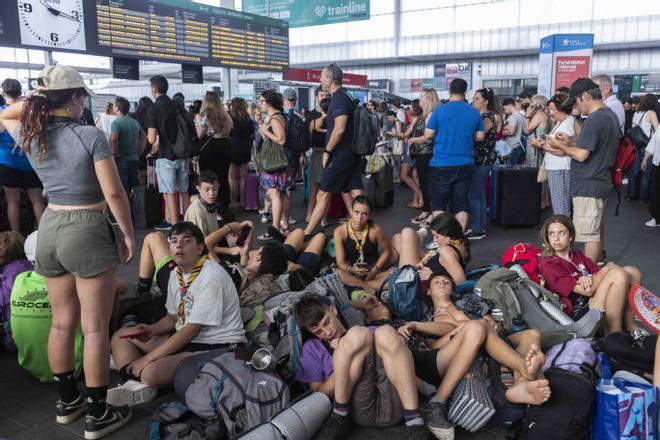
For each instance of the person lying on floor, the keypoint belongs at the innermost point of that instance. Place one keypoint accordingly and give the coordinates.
(362, 250)
(451, 249)
(368, 372)
(209, 216)
(580, 283)
(203, 313)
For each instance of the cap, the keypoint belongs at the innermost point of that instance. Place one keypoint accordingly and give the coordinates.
(578, 87)
(59, 77)
(30, 246)
(290, 94)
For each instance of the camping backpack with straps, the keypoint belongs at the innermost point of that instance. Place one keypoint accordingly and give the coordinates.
(243, 397)
(298, 137)
(626, 154)
(505, 305)
(186, 136)
(402, 295)
(175, 420)
(7, 278)
(527, 256)
(365, 130)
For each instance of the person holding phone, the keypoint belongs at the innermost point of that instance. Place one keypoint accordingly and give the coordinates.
(362, 250)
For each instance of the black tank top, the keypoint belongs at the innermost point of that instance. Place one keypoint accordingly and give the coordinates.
(370, 251)
(432, 260)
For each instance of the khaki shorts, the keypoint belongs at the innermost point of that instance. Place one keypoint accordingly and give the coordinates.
(375, 401)
(78, 241)
(588, 218)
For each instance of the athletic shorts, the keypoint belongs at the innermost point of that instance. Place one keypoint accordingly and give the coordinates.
(308, 260)
(342, 173)
(588, 218)
(426, 366)
(162, 274)
(375, 401)
(13, 178)
(78, 241)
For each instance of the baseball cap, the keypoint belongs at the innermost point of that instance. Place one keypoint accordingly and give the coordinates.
(290, 94)
(578, 87)
(59, 77)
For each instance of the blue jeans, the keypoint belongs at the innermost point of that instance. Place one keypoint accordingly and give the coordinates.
(128, 173)
(477, 198)
(450, 184)
(639, 182)
(517, 156)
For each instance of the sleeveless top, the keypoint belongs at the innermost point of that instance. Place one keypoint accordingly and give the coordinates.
(370, 249)
(639, 119)
(534, 156)
(425, 147)
(432, 259)
(484, 151)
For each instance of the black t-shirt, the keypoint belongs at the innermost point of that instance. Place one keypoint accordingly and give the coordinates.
(162, 117)
(341, 104)
(216, 156)
(318, 137)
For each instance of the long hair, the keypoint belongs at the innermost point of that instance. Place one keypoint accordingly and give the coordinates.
(216, 116)
(34, 117)
(489, 96)
(238, 111)
(144, 105)
(432, 101)
(562, 219)
(648, 102)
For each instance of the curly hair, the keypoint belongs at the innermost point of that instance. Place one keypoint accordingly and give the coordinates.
(217, 117)
(273, 259)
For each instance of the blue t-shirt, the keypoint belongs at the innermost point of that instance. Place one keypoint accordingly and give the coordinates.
(455, 124)
(11, 155)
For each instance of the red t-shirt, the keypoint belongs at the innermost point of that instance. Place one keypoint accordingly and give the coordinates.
(561, 276)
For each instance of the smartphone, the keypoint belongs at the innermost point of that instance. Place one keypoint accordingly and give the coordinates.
(135, 335)
(243, 235)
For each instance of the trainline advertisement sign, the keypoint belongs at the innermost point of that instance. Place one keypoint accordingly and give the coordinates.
(301, 13)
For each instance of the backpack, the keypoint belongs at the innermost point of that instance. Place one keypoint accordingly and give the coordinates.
(186, 136)
(527, 256)
(505, 305)
(403, 288)
(175, 420)
(7, 279)
(627, 354)
(575, 355)
(298, 137)
(365, 130)
(243, 397)
(637, 135)
(626, 154)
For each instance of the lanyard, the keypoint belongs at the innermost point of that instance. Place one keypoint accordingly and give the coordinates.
(183, 289)
(359, 244)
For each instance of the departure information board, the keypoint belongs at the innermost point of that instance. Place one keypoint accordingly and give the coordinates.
(165, 30)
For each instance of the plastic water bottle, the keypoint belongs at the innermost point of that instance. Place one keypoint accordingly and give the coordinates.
(518, 324)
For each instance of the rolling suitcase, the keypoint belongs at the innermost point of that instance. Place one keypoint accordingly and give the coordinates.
(251, 192)
(145, 203)
(515, 196)
(380, 187)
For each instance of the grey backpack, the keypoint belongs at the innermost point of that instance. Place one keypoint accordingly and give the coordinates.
(228, 388)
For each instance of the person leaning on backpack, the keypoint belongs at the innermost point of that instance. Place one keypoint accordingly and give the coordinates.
(646, 120)
(162, 133)
(77, 246)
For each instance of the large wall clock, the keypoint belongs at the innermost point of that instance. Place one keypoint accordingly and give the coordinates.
(56, 24)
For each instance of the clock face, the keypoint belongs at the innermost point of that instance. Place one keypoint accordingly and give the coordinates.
(56, 24)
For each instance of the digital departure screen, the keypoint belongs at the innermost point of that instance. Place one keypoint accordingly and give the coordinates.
(177, 31)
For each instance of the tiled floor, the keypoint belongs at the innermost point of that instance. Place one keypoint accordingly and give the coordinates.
(27, 406)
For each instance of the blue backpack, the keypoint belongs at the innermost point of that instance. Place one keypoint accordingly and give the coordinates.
(402, 295)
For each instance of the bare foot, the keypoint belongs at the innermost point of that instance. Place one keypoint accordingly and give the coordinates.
(534, 360)
(536, 392)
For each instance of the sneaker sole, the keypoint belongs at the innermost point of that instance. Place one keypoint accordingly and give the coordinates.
(477, 237)
(441, 433)
(65, 420)
(108, 429)
(121, 396)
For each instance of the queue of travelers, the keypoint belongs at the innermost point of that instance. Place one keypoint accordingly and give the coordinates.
(205, 267)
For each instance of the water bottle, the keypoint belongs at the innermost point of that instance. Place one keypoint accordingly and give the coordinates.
(518, 324)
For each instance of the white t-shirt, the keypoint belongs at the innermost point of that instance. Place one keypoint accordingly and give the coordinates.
(401, 115)
(613, 103)
(553, 162)
(104, 123)
(212, 301)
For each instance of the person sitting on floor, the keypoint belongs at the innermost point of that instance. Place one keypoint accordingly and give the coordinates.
(203, 313)
(362, 250)
(368, 372)
(580, 283)
(451, 249)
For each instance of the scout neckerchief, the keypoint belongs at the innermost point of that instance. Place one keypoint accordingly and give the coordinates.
(183, 290)
(359, 244)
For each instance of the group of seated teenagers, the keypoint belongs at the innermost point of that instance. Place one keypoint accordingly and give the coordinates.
(207, 270)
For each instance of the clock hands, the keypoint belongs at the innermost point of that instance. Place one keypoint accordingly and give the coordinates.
(57, 12)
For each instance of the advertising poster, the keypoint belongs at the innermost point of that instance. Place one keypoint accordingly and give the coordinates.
(301, 13)
(563, 58)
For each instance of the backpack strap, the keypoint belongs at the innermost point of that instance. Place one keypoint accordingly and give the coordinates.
(561, 350)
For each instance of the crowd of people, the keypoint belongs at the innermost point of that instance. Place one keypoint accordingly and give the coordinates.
(204, 264)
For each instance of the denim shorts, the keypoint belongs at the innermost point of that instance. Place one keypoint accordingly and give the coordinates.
(450, 184)
(408, 160)
(172, 175)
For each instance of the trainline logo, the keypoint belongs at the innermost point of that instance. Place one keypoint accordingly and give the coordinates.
(350, 8)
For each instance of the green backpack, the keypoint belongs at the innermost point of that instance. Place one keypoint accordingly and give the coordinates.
(30, 324)
(496, 290)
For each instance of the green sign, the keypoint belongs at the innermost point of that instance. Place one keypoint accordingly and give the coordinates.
(301, 13)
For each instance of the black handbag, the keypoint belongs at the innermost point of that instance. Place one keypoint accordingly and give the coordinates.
(637, 136)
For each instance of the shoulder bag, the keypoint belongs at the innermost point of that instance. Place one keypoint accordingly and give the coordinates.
(270, 157)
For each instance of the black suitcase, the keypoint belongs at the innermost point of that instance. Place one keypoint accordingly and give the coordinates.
(515, 196)
(145, 203)
(380, 187)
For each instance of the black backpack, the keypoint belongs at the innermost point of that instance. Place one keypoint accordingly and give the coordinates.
(298, 137)
(365, 130)
(186, 136)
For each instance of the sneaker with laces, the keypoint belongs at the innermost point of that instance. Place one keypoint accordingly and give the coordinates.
(69, 412)
(131, 393)
(437, 423)
(265, 218)
(163, 226)
(417, 432)
(432, 245)
(334, 428)
(652, 223)
(113, 419)
(474, 235)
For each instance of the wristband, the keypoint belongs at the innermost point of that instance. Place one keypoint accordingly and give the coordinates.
(327, 151)
(231, 230)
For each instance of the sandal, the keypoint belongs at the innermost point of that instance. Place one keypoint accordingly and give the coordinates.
(420, 218)
(265, 237)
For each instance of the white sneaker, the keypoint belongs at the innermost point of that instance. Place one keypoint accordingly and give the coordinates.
(652, 223)
(292, 221)
(131, 393)
(432, 245)
(422, 233)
